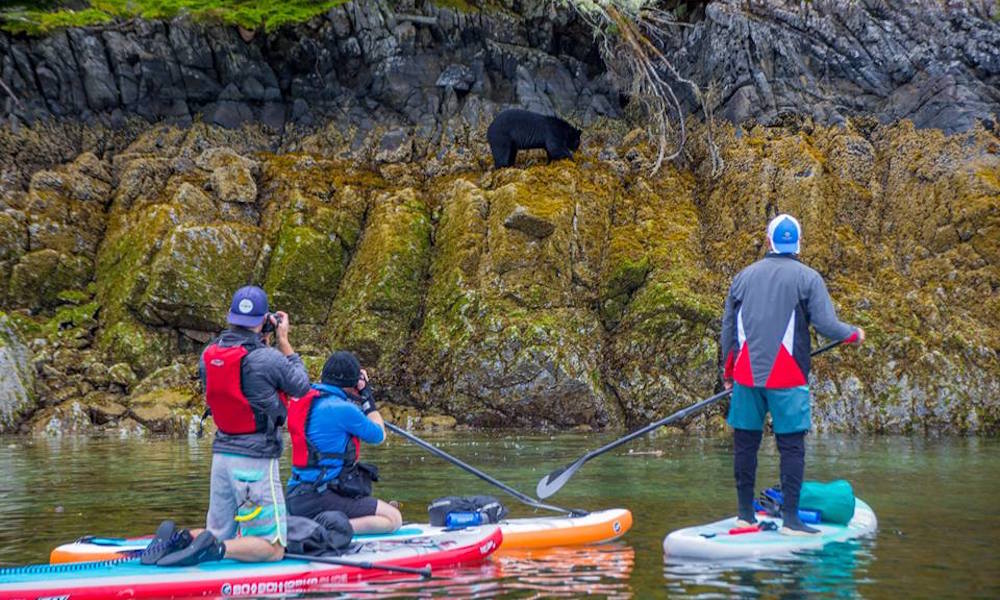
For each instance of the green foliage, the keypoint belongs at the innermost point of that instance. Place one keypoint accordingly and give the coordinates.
(249, 14)
(37, 22)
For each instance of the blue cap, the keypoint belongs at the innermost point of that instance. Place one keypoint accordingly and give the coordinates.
(784, 233)
(249, 307)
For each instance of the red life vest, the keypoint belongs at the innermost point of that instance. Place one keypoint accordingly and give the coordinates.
(231, 410)
(304, 454)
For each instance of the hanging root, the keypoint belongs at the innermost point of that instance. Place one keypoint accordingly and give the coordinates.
(630, 35)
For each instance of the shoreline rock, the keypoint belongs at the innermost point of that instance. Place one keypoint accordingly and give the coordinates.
(608, 321)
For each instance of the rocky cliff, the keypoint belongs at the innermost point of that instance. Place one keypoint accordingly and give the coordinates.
(577, 293)
(352, 182)
(434, 67)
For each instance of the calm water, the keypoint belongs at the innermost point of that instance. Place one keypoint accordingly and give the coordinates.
(938, 503)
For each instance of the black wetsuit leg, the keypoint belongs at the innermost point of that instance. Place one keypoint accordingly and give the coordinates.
(792, 447)
(746, 443)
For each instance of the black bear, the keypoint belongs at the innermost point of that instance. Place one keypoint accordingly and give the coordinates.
(516, 129)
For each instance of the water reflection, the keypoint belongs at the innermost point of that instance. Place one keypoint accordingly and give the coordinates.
(935, 498)
(602, 571)
(837, 570)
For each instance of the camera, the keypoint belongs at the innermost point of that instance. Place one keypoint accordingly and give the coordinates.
(271, 321)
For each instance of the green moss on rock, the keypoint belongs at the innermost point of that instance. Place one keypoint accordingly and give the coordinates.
(130, 342)
(13, 238)
(508, 338)
(304, 272)
(170, 398)
(576, 294)
(194, 275)
(39, 277)
(380, 296)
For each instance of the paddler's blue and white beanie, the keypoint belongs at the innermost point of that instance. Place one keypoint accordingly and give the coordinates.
(784, 233)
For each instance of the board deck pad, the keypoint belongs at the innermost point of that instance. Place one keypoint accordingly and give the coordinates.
(713, 541)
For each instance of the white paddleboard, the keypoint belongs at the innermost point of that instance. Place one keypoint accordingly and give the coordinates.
(713, 541)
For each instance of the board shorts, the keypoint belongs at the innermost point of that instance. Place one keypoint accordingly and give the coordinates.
(303, 501)
(789, 407)
(246, 497)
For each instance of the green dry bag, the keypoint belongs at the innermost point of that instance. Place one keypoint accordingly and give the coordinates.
(834, 500)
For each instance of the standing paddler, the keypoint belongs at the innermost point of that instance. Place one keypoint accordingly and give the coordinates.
(765, 347)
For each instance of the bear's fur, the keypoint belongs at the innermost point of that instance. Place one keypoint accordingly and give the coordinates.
(516, 129)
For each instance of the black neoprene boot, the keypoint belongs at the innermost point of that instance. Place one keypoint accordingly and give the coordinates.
(166, 540)
(204, 548)
(745, 446)
(792, 525)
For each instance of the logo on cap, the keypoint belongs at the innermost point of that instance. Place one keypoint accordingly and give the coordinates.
(246, 305)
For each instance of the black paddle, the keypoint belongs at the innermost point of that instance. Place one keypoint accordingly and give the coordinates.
(551, 483)
(458, 463)
(425, 572)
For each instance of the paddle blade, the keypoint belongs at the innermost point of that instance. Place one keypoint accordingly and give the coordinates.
(551, 483)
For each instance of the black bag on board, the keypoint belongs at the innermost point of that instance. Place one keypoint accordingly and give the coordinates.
(355, 481)
(491, 509)
(328, 534)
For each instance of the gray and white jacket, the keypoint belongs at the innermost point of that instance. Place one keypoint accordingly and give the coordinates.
(765, 326)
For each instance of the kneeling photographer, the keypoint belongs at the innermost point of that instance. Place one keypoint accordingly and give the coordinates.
(243, 378)
(327, 426)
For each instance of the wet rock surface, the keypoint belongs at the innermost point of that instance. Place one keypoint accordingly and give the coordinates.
(363, 64)
(933, 63)
(17, 384)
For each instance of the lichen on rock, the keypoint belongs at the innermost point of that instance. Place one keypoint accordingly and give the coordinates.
(583, 293)
(194, 274)
(17, 379)
(507, 338)
(379, 301)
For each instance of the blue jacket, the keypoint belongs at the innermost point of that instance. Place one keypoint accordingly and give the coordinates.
(333, 419)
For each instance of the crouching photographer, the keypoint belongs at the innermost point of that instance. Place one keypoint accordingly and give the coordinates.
(327, 426)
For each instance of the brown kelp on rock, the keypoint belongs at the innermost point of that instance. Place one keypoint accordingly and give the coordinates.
(579, 293)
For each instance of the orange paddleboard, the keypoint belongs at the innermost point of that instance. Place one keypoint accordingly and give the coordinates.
(522, 533)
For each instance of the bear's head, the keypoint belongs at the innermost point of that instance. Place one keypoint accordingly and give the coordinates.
(574, 139)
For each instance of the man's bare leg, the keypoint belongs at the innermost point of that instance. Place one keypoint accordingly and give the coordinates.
(386, 519)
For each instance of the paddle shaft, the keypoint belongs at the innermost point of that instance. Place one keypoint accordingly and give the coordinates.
(425, 572)
(462, 465)
(677, 416)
